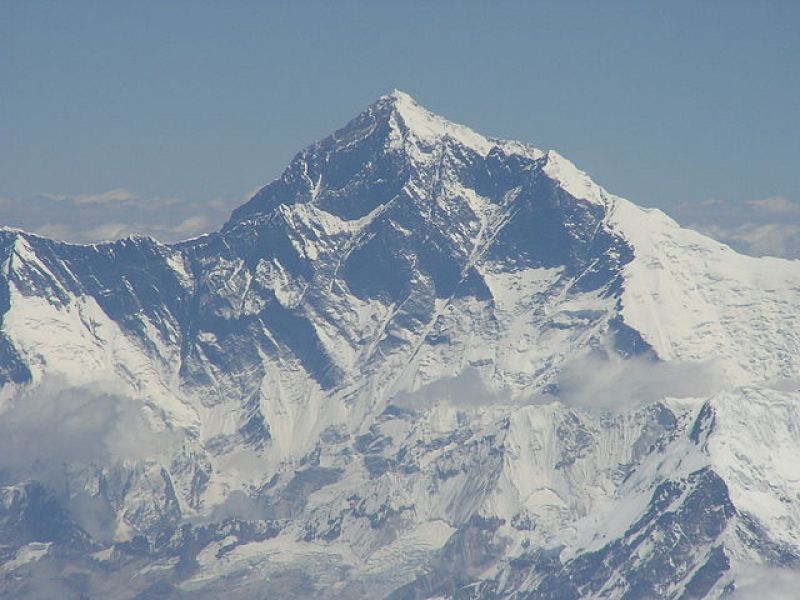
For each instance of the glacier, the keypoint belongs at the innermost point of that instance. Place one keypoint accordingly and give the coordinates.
(422, 363)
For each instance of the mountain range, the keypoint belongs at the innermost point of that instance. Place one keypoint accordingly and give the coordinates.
(422, 363)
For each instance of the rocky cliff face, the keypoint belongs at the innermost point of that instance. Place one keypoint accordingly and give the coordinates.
(421, 363)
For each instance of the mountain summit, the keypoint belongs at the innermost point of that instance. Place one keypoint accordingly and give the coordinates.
(420, 363)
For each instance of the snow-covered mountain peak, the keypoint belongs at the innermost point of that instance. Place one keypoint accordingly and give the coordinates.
(415, 121)
(395, 146)
(419, 347)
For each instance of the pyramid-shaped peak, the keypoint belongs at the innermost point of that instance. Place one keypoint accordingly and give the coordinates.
(418, 122)
(400, 97)
(400, 101)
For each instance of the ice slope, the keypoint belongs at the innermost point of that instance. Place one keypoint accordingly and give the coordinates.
(364, 386)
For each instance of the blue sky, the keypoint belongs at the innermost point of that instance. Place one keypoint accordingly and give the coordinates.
(199, 102)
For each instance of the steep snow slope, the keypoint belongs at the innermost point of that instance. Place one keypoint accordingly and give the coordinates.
(421, 363)
(693, 298)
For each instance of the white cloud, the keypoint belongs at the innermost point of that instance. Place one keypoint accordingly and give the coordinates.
(613, 383)
(775, 239)
(765, 226)
(778, 205)
(116, 213)
(595, 381)
(50, 432)
(52, 425)
(758, 583)
(467, 389)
